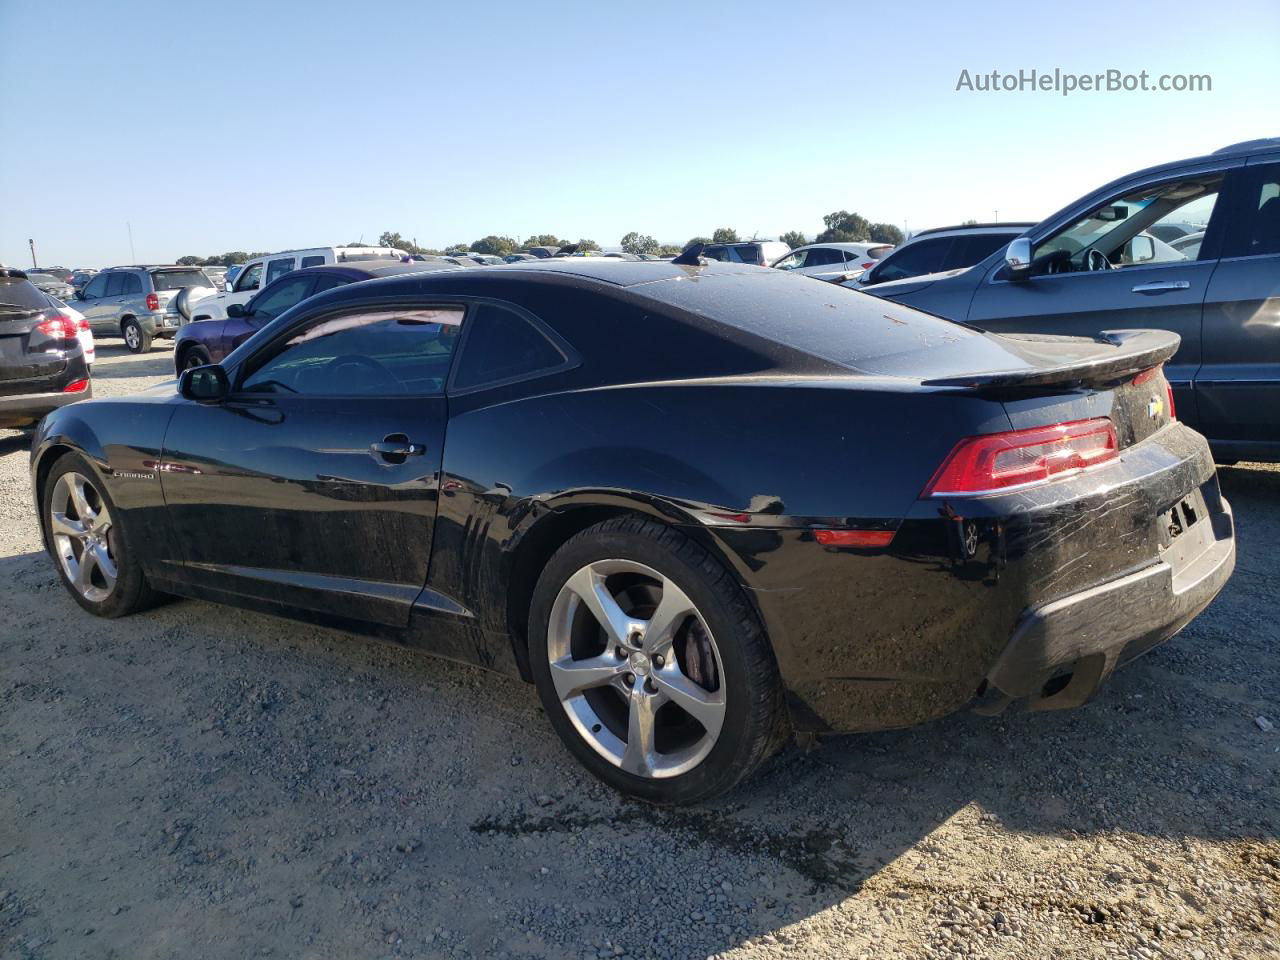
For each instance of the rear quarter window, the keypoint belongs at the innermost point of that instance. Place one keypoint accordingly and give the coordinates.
(501, 346)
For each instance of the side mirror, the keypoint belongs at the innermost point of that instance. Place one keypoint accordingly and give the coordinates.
(1142, 248)
(236, 310)
(205, 384)
(1017, 258)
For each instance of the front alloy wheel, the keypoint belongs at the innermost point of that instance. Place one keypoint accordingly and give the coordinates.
(83, 536)
(636, 668)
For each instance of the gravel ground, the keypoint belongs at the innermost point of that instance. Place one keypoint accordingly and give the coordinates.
(200, 781)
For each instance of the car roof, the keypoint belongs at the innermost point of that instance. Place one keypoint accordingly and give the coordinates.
(858, 245)
(367, 269)
(1010, 226)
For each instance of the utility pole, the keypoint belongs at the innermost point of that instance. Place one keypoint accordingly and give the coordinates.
(997, 214)
(133, 257)
(32, 244)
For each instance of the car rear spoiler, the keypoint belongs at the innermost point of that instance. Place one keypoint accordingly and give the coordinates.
(1060, 361)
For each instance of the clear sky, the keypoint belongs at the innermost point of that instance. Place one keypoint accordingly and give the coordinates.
(212, 127)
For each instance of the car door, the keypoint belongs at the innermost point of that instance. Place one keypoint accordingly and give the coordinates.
(314, 484)
(1238, 386)
(1064, 296)
(107, 309)
(92, 301)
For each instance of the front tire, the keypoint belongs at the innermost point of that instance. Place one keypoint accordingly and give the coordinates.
(135, 338)
(193, 357)
(651, 665)
(87, 539)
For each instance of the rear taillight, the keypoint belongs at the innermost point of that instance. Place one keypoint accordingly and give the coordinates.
(868, 265)
(1173, 412)
(153, 302)
(82, 324)
(75, 386)
(57, 326)
(998, 461)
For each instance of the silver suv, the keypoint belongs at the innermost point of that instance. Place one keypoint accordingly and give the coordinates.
(140, 303)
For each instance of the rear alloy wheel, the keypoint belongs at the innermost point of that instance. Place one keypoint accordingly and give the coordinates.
(650, 664)
(88, 542)
(135, 338)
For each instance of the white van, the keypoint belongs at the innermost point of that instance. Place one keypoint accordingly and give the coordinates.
(260, 271)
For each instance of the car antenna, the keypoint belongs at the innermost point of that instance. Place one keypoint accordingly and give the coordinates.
(691, 257)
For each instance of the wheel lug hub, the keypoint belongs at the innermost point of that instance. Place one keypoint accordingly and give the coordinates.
(630, 679)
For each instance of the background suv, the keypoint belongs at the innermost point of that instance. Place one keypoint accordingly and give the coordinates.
(137, 303)
(760, 252)
(42, 364)
(833, 261)
(1088, 268)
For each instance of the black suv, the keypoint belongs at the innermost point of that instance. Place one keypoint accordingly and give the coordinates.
(42, 364)
(1098, 265)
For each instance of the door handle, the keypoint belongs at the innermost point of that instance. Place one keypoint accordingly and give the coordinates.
(1162, 286)
(395, 448)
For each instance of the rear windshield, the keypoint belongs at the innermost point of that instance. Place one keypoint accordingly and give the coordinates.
(42, 278)
(875, 253)
(20, 294)
(177, 279)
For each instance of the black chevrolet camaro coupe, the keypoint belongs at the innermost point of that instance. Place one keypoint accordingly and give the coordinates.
(700, 506)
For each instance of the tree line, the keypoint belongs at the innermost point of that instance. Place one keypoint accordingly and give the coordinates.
(841, 227)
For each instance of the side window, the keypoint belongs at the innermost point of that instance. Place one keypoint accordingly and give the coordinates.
(503, 346)
(97, 287)
(967, 251)
(822, 257)
(132, 284)
(115, 285)
(1185, 205)
(912, 260)
(744, 254)
(250, 278)
(328, 282)
(1261, 235)
(794, 261)
(366, 354)
(278, 268)
(276, 300)
(715, 253)
(314, 261)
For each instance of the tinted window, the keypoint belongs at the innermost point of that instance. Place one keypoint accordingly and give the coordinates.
(715, 253)
(821, 257)
(313, 261)
(374, 353)
(97, 287)
(328, 282)
(748, 253)
(913, 260)
(966, 251)
(1263, 234)
(177, 279)
(20, 293)
(115, 284)
(132, 284)
(277, 299)
(502, 345)
(250, 278)
(278, 268)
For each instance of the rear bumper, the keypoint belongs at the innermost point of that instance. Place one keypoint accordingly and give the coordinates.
(27, 409)
(1061, 652)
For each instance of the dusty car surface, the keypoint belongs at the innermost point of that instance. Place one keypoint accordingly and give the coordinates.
(699, 506)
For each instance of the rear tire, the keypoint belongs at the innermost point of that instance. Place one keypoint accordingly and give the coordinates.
(88, 542)
(135, 338)
(685, 705)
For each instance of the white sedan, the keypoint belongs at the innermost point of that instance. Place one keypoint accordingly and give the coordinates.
(82, 328)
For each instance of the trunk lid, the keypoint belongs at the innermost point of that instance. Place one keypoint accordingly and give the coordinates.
(22, 369)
